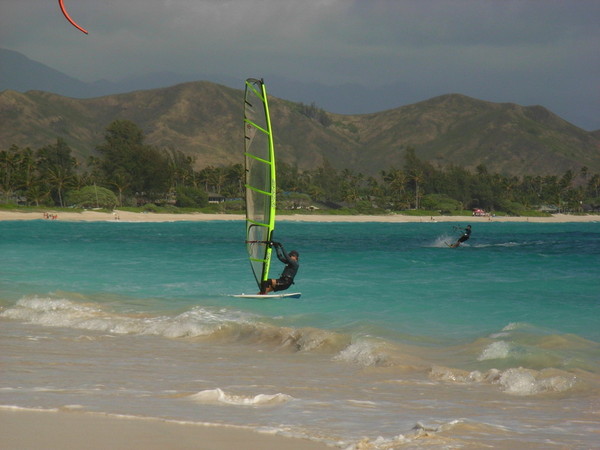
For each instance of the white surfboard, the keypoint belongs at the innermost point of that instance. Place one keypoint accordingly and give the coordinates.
(270, 296)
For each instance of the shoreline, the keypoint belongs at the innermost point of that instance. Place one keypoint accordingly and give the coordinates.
(54, 429)
(126, 216)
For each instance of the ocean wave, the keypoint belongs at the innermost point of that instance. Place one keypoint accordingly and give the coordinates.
(496, 350)
(223, 325)
(531, 355)
(519, 381)
(500, 244)
(62, 312)
(515, 381)
(218, 396)
(305, 339)
(365, 353)
(426, 434)
(220, 325)
(523, 359)
(512, 326)
(521, 344)
(515, 326)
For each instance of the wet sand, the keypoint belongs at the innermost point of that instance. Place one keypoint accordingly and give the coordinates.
(51, 430)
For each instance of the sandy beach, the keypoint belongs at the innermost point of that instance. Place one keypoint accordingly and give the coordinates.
(148, 350)
(126, 216)
(51, 430)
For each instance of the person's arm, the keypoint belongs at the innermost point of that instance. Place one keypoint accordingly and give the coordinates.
(281, 254)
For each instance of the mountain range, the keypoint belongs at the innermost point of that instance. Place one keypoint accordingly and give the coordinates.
(21, 74)
(204, 119)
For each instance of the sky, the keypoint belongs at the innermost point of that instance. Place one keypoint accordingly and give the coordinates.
(529, 52)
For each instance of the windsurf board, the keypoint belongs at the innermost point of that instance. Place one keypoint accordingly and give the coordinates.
(268, 296)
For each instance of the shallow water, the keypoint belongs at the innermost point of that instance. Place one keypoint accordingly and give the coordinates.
(397, 342)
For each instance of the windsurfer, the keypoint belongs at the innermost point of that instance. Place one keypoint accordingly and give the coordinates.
(465, 236)
(286, 279)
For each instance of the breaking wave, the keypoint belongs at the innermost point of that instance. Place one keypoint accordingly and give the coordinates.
(364, 353)
(516, 381)
(217, 396)
(219, 324)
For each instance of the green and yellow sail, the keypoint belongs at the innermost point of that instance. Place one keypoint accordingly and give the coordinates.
(259, 154)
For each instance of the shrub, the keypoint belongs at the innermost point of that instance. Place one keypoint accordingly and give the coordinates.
(191, 197)
(440, 202)
(92, 197)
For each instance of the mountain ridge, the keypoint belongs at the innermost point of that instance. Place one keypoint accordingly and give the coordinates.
(19, 73)
(203, 119)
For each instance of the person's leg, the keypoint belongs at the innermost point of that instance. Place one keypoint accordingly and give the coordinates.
(267, 286)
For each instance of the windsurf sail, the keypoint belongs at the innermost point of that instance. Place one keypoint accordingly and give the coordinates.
(259, 154)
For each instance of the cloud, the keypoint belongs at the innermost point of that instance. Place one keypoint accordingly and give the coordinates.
(526, 51)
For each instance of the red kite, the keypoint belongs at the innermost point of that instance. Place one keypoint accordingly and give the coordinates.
(64, 11)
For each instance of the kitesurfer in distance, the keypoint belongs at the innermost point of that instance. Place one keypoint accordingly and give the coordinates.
(286, 279)
(465, 237)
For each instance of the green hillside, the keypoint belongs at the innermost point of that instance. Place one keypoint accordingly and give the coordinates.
(204, 119)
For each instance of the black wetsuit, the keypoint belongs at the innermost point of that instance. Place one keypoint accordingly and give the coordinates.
(286, 279)
(466, 235)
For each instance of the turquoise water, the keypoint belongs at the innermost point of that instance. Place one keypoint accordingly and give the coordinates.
(400, 277)
(514, 313)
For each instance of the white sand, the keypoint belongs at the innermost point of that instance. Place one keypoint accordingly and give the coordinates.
(125, 216)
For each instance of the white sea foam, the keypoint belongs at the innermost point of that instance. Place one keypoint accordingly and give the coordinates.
(501, 244)
(455, 375)
(197, 322)
(515, 381)
(419, 433)
(66, 313)
(363, 352)
(520, 381)
(496, 350)
(218, 396)
(513, 326)
(443, 241)
(24, 408)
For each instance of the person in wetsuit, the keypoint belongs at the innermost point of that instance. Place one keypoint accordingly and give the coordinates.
(286, 279)
(465, 236)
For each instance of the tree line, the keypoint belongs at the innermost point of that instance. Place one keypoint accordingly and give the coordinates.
(419, 185)
(125, 171)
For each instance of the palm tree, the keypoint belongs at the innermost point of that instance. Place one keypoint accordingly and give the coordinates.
(594, 185)
(36, 194)
(417, 177)
(396, 181)
(28, 169)
(7, 170)
(59, 178)
(121, 182)
(235, 176)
